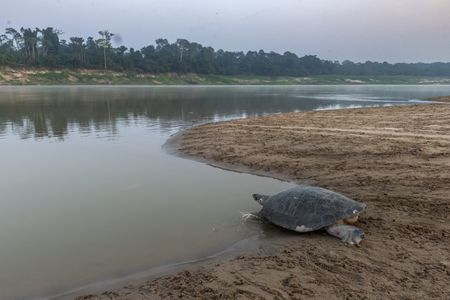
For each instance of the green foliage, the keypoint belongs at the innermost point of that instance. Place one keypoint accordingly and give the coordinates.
(43, 48)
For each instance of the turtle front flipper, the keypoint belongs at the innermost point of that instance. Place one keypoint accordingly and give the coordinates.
(351, 235)
(246, 216)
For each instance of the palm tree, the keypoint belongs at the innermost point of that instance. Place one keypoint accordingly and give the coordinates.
(105, 43)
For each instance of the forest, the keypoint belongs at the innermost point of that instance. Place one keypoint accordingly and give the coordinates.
(44, 47)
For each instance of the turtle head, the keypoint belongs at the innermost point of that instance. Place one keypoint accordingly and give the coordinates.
(260, 198)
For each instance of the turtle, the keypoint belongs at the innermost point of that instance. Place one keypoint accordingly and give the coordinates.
(306, 208)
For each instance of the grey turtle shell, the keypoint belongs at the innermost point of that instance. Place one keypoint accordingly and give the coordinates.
(307, 208)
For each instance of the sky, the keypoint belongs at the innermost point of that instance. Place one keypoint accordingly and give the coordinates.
(358, 30)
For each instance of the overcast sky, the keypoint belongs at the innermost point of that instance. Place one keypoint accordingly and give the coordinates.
(359, 30)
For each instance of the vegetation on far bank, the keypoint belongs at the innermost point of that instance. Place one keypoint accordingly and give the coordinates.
(44, 48)
(10, 76)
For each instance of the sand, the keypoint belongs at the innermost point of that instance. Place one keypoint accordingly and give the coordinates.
(395, 159)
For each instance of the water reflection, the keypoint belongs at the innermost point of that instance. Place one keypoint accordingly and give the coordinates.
(54, 112)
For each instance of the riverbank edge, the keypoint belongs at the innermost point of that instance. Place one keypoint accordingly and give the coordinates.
(107, 286)
(172, 147)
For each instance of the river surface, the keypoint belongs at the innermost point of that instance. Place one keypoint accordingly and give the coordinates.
(87, 193)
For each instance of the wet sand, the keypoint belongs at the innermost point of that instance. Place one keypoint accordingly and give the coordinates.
(395, 159)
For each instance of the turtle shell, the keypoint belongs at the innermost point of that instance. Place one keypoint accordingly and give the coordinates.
(307, 208)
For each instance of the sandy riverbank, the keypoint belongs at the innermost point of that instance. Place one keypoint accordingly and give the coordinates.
(45, 76)
(395, 159)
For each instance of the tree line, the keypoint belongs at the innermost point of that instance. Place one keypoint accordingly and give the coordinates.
(43, 47)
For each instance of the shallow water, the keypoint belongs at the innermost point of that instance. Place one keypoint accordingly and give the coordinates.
(88, 193)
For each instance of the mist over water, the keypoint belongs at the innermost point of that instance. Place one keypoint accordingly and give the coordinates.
(88, 193)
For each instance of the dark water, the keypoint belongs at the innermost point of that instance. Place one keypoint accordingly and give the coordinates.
(87, 193)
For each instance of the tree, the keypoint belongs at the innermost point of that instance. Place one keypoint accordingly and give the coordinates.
(50, 41)
(105, 43)
(78, 46)
(30, 40)
(15, 38)
(5, 45)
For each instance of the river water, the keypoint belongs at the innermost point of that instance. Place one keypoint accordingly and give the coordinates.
(87, 193)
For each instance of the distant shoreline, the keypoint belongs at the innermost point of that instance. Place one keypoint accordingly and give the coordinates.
(31, 76)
